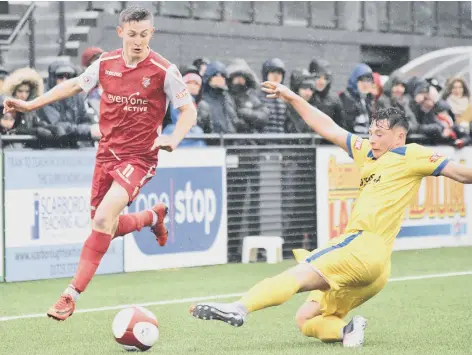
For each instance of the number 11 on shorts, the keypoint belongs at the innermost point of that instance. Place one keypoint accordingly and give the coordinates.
(128, 171)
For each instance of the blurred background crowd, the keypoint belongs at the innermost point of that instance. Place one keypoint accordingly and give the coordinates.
(228, 100)
(349, 77)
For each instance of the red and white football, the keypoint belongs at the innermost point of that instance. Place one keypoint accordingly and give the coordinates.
(136, 328)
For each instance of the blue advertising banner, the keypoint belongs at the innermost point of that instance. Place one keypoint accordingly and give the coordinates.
(192, 182)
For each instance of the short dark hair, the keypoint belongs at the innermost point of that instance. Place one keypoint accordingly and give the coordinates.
(394, 116)
(135, 13)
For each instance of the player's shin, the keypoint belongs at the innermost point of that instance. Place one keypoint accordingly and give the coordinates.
(325, 328)
(270, 292)
(92, 253)
(131, 222)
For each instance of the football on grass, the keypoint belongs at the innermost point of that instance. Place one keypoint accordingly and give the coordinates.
(136, 328)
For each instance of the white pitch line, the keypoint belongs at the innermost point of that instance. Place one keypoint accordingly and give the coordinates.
(111, 308)
(215, 297)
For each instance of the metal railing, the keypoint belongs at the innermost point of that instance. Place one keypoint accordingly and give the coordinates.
(225, 139)
(62, 28)
(271, 186)
(28, 17)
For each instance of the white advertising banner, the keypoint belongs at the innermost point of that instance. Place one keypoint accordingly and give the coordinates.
(439, 216)
(192, 182)
(47, 214)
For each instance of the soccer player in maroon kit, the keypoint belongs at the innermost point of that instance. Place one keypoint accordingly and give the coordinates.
(137, 86)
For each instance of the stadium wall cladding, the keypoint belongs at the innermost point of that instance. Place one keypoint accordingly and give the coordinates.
(183, 40)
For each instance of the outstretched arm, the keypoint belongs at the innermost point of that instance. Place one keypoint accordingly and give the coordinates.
(317, 120)
(458, 172)
(64, 90)
(187, 119)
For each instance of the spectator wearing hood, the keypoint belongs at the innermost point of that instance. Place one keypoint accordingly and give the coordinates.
(68, 116)
(221, 104)
(274, 70)
(422, 107)
(322, 99)
(357, 100)
(433, 116)
(25, 84)
(249, 108)
(201, 64)
(394, 95)
(303, 84)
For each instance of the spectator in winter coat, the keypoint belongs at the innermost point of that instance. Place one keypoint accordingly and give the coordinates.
(302, 83)
(204, 124)
(357, 100)
(274, 70)
(201, 64)
(433, 116)
(25, 84)
(242, 87)
(394, 95)
(69, 116)
(218, 99)
(322, 99)
(457, 95)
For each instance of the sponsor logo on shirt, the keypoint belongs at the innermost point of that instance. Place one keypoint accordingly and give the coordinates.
(146, 81)
(435, 157)
(113, 73)
(132, 102)
(181, 94)
(86, 79)
(358, 143)
(371, 178)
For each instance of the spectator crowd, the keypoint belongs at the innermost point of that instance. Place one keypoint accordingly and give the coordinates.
(228, 100)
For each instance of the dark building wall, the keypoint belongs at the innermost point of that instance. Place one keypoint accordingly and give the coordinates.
(183, 40)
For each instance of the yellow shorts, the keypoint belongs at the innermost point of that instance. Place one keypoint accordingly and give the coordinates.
(356, 267)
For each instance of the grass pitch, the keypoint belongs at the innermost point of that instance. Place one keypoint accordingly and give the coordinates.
(428, 316)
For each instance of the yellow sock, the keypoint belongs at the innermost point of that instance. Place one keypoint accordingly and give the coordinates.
(270, 292)
(326, 328)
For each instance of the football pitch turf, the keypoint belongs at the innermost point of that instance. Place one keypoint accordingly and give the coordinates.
(425, 316)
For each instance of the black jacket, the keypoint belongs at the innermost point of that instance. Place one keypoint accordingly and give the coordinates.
(325, 101)
(249, 108)
(357, 108)
(204, 119)
(277, 107)
(27, 123)
(68, 116)
(219, 101)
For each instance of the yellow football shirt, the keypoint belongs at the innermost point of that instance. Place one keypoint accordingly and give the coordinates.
(388, 185)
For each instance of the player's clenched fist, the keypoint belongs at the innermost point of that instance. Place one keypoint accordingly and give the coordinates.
(165, 142)
(11, 105)
(277, 91)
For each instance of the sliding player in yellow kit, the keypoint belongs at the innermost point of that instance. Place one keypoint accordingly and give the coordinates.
(355, 266)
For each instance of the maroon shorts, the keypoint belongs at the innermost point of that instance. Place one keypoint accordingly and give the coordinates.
(132, 175)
